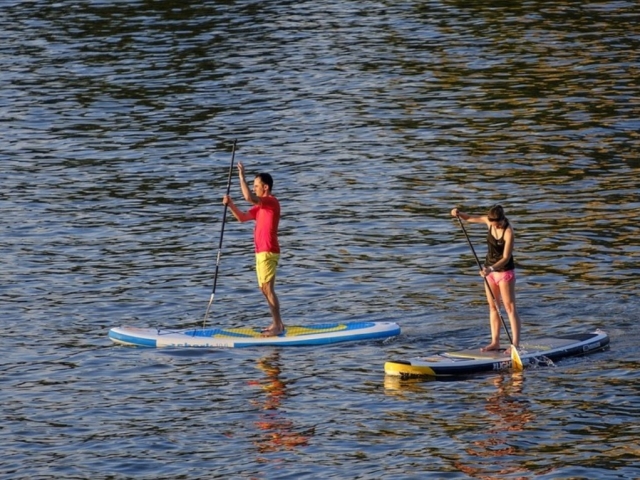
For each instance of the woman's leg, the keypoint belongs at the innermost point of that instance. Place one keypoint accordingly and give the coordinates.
(508, 293)
(494, 318)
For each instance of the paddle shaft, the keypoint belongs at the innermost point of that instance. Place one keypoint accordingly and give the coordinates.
(224, 219)
(486, 282)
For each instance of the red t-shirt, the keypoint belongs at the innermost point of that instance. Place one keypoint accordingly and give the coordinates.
(267, 216)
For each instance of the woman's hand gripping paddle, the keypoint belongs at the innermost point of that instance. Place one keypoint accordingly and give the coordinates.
(516, 362)
(224, 218)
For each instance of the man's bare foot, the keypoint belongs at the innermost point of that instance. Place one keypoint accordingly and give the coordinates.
(272, 331)
(491, 347)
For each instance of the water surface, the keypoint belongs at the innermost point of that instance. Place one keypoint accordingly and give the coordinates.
(375, 119)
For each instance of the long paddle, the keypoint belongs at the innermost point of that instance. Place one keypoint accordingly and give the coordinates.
(224, 218)
(515, 356)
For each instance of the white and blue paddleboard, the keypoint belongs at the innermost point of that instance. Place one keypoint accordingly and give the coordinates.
(297, 335)
(467, 362)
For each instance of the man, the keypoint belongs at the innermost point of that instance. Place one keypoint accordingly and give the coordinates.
(266, 213)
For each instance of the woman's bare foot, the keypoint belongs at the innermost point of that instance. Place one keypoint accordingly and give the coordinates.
(491, 347)
(508, 350)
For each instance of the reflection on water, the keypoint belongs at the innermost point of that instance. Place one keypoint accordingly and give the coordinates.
(277, 432)
(508, 414)
(485, 416)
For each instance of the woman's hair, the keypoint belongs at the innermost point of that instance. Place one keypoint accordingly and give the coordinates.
(496, 214)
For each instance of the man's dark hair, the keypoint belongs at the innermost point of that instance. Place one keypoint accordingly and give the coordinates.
(266, 179)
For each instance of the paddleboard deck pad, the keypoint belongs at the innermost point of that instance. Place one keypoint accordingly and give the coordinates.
(298, 335)
(467, 362)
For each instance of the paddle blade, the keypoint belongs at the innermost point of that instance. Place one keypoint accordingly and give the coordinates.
(516, 362)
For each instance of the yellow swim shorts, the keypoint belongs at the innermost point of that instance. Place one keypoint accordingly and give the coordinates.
(266, 265)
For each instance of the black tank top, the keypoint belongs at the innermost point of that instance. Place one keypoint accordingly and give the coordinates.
(495, 251)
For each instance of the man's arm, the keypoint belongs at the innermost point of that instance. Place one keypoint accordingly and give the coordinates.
(239, 214)
(248, 195)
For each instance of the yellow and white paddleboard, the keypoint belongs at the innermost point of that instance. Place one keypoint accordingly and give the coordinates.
(295, 335)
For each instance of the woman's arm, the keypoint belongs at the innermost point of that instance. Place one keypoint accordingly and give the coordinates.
(508, 248)
(470, 218)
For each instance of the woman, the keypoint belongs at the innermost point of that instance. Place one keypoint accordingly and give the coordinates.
(499, 270)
